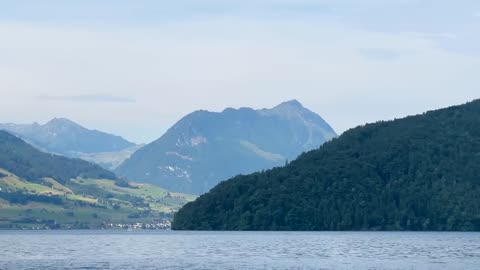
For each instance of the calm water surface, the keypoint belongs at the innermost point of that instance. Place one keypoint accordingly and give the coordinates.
(242, 250)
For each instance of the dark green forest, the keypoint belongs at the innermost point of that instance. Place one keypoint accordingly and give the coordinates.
(417, 173)
(24, 160)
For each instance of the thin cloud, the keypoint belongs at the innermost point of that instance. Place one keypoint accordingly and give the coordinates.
(213, 63)
(88, 98)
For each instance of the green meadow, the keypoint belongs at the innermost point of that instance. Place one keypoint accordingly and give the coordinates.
(82, 203)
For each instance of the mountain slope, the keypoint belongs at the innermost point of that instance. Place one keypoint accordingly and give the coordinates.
(205, 147)
(48, 191)
(417, 173)
(22, 159)
(84, 203)
(64, 137)
(109, 160)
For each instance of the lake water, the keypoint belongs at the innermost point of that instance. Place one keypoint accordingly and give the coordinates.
(21, 250)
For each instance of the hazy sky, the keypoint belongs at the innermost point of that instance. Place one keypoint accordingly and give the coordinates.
(136, 67)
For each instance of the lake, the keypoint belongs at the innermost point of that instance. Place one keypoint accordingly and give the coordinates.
(21, 250)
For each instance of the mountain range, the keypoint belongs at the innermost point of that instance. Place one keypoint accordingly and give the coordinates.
(417, 173)
(204, 147)
(65, 137)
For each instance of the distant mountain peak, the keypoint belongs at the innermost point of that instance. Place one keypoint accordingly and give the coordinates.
(61, 121)
(65, 137)
(292, 103)
(204, 148)
(292, 109)
(287, 105)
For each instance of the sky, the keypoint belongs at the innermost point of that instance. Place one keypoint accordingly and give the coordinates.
(134, 68)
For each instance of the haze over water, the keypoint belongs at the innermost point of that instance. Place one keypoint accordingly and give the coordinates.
(238, 250)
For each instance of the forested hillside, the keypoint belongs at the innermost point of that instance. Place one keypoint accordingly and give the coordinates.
(20, 158)
(417, 173)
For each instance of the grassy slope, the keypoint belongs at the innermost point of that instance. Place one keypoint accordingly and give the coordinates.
(158, 198)
(86, 206)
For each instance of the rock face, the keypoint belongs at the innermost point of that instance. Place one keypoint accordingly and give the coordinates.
(205, 148)
(67, 138)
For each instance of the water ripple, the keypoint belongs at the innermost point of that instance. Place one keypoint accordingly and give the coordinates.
(85, 250)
